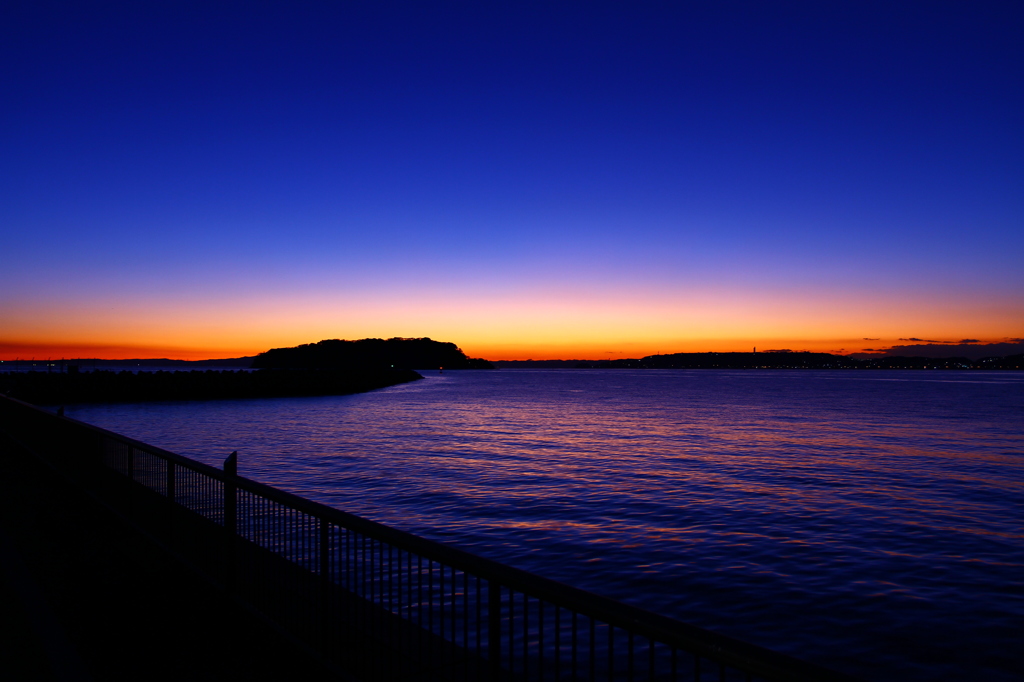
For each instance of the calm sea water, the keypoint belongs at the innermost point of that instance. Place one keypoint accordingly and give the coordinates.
(869, 521)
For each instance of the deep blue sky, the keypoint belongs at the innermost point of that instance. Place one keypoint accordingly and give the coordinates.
(201, 171)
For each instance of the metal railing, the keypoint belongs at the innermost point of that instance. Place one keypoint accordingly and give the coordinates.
(385, 604)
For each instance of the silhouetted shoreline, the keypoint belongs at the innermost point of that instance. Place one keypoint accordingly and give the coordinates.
(42, 388)
(770, 360)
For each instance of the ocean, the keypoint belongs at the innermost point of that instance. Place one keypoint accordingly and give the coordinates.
(870, 521)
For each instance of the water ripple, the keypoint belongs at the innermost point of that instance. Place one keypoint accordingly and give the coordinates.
(869, 521)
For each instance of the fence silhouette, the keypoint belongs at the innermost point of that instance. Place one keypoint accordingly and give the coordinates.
(376, 602)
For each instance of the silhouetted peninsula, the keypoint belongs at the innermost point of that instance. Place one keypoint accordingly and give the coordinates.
(371, 354)
(41, 388)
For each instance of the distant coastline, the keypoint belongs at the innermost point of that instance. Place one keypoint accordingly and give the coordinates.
(132, 364)
(710, 360)
(398, 353)
(772, 360)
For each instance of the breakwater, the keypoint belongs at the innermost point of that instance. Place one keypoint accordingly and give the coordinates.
(42, 388)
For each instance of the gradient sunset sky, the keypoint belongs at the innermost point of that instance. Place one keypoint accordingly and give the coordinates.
(527, 180)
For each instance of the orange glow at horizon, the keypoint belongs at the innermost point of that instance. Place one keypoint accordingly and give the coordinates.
(491, 351)
(472, 344)
(555, 325)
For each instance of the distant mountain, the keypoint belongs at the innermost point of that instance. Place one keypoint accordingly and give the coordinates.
(398, 353)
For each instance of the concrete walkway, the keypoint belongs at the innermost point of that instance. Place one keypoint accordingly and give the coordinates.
(85, 597)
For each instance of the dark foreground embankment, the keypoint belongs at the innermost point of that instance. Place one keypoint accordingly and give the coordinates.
(85, 596)
(41, 388)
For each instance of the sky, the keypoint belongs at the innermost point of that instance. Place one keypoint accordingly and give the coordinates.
(527, 180)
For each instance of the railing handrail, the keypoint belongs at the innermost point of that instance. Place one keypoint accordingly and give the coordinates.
(721, 648)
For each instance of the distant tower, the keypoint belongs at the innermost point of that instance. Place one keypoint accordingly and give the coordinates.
(755, 349)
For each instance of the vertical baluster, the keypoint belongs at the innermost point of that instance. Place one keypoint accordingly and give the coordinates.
(593, 649)
(575, 644)
(479, 615)
(347, 549)
(611, 652)
(391, 579)
(419, 606)
(465, 622)
(230, 519)
(430, 596)
(494, 627)
(131, 478)
(558, 643)
(451, 602)
(324, 558)
(540, 639)
(465, 608)
(511, 631)
(526, 635)
(629, 657)
(419, 591)
(170, 503)
(361, 566)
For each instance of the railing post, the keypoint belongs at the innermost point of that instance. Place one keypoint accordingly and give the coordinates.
(131, 478)
(325, 584)
(230, 517)
(494, 627)
(170, 502)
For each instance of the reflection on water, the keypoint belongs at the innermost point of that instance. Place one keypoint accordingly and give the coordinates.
(870, 521)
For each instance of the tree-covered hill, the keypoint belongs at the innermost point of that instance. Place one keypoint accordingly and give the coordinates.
(369, 354)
